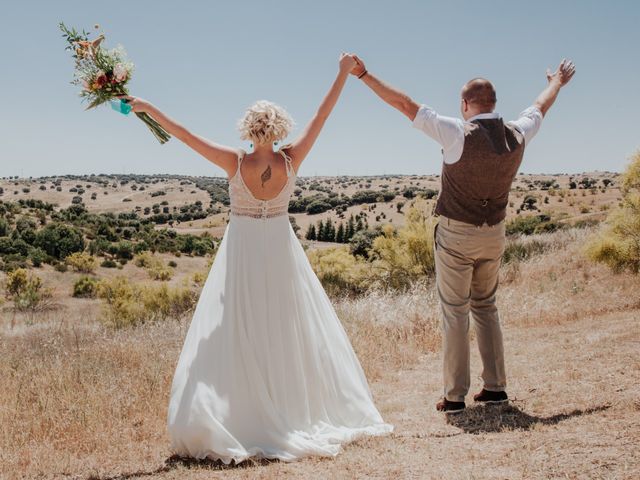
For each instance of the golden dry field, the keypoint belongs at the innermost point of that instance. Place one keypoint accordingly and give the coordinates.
(84, 400)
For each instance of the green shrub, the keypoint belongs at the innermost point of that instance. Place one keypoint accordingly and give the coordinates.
(429, 193)
(4, 227)
(85, 287)
(13, 262)
(409, 192)
(520, 249)
(154, 266)
(299, 205)
(81, 262)
(198, 278)
(143, 260)
(364, 196)
(396, 258)
(190, 244)
(338, 270)
(524, 225)
(25, 290)
(122, 249)
(60, 267)
(404, 255)
(127, 304)
(37, 256)
(318, 206)
(160, 272)
(532, 224)
(20, 247)
(59, 240)
(25, 223)
(6, 246)
(108, 263)
(361, 242)
(618, 243)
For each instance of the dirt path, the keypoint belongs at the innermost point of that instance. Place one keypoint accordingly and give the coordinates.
(575, 414)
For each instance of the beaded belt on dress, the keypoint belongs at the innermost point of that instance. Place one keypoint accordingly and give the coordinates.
(263, 214)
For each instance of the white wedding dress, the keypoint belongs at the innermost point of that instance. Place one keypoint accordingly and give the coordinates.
(266, 369)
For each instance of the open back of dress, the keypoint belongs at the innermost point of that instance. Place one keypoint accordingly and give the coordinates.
(244, 203)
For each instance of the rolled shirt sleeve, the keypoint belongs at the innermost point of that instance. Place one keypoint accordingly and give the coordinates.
(528, 123)
(447, 131)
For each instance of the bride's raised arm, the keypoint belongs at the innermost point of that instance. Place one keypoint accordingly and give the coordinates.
(221, 155)
(301, 146)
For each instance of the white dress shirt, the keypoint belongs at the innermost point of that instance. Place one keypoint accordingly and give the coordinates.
(449, 131)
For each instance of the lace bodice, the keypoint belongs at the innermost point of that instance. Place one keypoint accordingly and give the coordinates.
(243, 203)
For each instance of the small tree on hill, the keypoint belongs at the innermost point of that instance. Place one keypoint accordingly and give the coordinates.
(340, 233)
(320, 235)
(311, 232)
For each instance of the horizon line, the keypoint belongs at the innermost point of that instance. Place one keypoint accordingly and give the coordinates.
(18, 177)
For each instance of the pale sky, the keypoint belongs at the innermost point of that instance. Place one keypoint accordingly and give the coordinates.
(204, 62)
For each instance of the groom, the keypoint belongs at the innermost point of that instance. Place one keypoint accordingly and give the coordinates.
(481, 157)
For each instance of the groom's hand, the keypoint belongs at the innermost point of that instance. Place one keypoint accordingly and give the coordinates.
(557, 80)
(394, 97)
(563, 74)
(359, 67)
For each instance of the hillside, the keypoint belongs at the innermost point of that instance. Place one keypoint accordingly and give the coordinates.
(585, 195)
(84, 401)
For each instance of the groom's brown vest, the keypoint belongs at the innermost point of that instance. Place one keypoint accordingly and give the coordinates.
(475, 189)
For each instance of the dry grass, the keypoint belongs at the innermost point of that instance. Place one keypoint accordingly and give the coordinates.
(74, 395)
(80, 401)
(388, 331)
(563, 285)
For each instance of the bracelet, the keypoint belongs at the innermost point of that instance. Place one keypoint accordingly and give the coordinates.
(362, 74)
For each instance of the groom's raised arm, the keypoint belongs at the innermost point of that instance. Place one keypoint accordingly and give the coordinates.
(394, 97)
(447, 131)
(556, 81)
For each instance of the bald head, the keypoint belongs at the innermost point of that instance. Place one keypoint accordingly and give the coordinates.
(480, 93)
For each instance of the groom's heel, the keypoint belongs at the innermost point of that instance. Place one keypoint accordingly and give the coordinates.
(447, 406)
(487, 396)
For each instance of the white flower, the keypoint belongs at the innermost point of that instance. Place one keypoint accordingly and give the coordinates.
(120, 72)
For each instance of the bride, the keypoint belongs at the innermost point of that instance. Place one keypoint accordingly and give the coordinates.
(266, 369)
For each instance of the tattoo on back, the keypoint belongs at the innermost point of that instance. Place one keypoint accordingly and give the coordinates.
(266, 175)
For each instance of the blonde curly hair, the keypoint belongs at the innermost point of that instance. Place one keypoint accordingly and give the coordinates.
(265, 122)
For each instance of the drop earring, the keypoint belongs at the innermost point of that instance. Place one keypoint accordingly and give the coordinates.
(251, 145)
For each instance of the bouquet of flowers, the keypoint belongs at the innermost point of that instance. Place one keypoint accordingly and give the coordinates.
(103, 75)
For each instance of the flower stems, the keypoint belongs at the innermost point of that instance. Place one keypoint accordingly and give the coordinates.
(159, 132)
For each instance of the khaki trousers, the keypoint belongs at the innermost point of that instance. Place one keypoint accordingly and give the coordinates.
(467, 264)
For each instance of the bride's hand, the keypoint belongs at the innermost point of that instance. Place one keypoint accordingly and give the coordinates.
(138, 105)
(347, 62)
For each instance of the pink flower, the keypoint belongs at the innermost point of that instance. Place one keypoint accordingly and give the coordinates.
(120, 72)
(100, 80)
